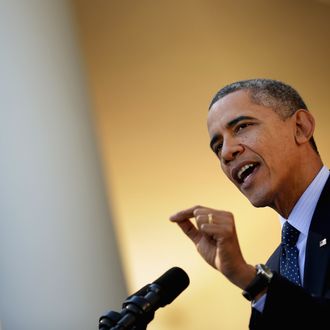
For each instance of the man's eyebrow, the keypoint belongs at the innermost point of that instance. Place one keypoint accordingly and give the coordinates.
(237, 120)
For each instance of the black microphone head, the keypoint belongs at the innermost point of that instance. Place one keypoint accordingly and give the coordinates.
(171, 284)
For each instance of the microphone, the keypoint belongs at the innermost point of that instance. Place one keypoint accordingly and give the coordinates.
(139, 308)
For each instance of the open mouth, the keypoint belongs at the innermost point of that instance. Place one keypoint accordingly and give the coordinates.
(245, 171)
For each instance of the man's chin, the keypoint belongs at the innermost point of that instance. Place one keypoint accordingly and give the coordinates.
(259, 204)
(261, 197)
(258, 201)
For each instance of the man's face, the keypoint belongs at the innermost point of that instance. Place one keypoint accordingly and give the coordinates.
(255, 146)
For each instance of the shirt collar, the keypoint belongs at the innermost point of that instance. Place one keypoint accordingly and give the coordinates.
(302, 213)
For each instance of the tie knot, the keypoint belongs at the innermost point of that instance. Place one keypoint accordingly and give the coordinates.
(289, 234)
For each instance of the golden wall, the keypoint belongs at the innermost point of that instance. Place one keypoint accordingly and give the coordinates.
(153, 67)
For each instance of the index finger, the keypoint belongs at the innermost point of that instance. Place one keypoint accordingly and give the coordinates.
(184, 214)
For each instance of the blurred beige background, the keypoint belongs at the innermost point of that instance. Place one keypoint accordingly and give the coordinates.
(153, 67)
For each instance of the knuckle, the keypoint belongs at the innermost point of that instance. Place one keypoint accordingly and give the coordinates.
(197, 210)
(229, 214)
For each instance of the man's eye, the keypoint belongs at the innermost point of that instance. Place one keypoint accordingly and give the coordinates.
(218, 148)
(241, 126)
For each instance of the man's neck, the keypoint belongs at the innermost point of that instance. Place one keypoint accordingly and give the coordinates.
(286, 202)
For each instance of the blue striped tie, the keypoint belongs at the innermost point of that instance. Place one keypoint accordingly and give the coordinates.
(289, 266)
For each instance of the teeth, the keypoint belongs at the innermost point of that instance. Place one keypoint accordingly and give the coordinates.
(244, 168)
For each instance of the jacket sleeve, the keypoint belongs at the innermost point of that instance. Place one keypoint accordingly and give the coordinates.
(289, 306)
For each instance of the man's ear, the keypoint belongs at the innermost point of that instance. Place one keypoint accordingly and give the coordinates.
(305, 125)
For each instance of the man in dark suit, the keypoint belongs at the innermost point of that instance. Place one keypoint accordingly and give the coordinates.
(262, 134)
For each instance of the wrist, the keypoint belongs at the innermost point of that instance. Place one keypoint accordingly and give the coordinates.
(244, 276)
(259, 284)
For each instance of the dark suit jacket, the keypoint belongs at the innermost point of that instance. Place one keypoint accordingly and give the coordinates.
(288, 306)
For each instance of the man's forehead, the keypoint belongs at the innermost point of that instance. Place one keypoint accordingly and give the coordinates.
(233, 105)
(242, 94)
(235, 100)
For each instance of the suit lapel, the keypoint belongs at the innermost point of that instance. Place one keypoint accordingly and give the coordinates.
(274, 261)
(317, 253)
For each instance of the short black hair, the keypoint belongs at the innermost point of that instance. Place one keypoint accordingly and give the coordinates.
(281, 97)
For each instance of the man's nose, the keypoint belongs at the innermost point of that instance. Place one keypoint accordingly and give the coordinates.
(230, 150)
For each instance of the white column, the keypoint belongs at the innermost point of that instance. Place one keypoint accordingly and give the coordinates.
(59, 263)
